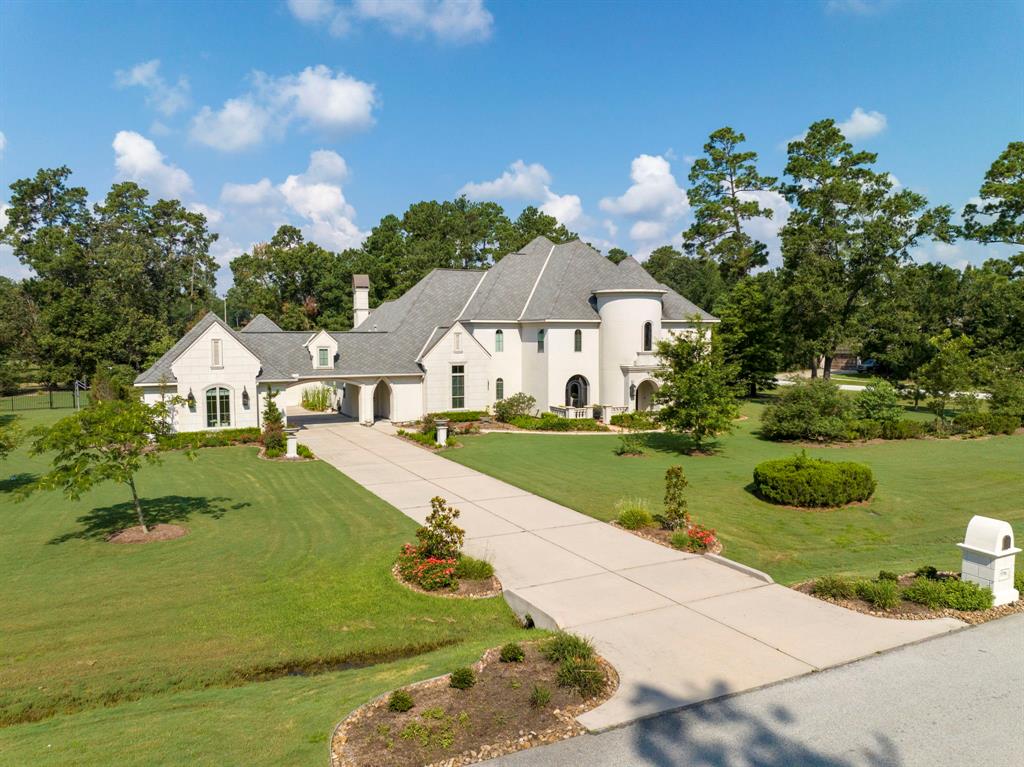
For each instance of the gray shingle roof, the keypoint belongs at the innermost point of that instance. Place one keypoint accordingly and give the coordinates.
(541, 282)
(261, 323)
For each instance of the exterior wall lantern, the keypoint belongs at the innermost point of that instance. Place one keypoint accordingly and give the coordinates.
(191, 400)
(632, 391)
(245, 398)
(988, 553)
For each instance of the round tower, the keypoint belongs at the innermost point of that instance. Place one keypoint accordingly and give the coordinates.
(630, 330)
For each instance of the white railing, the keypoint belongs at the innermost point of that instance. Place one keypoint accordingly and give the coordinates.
(587, 411)
(615, 409)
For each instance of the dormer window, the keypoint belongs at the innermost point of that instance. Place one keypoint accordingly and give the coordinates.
(216, 353)
(323, 357)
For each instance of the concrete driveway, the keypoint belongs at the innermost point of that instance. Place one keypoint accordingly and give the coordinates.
(680, 628)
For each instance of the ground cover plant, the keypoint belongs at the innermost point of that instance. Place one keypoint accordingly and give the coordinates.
(275, 615)
(927, 588)
(927, 492)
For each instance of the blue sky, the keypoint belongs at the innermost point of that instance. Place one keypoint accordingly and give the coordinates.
(330, 114)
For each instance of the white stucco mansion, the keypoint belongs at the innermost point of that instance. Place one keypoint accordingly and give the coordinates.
(559, 322)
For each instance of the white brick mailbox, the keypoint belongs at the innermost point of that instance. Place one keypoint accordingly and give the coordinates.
(988, 553)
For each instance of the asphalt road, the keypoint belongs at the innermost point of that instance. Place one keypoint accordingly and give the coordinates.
(954, 700)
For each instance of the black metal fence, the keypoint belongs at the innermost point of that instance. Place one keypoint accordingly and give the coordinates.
(55, 399)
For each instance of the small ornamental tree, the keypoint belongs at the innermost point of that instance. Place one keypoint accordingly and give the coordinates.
(675, 514)
(107, 441)
(519, 404)
(273, 425)
(948, 372)
(878, 402)
(696, 394)
(440, 537)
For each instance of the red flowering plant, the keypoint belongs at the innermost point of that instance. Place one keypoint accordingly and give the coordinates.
(695, 538)
(431, 564)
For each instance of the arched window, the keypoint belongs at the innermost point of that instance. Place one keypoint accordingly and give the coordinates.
(499, 389)
(218, 407)
(540, 341)
(648, 336)
(499, 340)
(577, 340)
(577, 392)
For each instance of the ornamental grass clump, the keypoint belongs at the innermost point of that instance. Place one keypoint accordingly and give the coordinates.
(812, 482)
(834, 587)
(885, 595)
(633, 513)
(473, 569)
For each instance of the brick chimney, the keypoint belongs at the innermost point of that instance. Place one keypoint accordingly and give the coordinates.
(360, 299)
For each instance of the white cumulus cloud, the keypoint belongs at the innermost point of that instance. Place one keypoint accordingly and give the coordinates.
(138, 159)
(528, 182)
(456, 21)
(861, 124)
(316, 97)
(162, 96)
(213, 216)
(315, 196)
(655, 201)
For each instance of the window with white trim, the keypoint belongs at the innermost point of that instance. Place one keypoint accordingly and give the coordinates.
(499, 340)
(458, 386)
(216, 353)
(540, 342)
(648, 336)
(499, 389)
(323, 354)
(218, 407)
(577, 340)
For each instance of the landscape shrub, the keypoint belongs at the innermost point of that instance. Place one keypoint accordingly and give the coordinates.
(273, 438)
(929, 593)
(564, 645)
(834, 587)
(440, 537)
(885, 595)
(428, 439)
(583, 675)
(631, 443)
(675, 514)
(458, 416)
(927, 571)
(1018, 581)
(813, 482)
(304, 452)
(519, 404)
(964, 595)
(540, 696)
(473, 569)
(462, 678)
(903, 429)
(317, 398)
(400, 701)
(878, 401)
(512, 652)
(193, 440)
(862, 429)
(429, 573)
(887, 575)
(986, 423)
(816, 411)
(633, 513)
(552, 422)
(638, 419)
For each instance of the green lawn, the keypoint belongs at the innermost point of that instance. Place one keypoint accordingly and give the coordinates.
(178, 652)
(927, 492)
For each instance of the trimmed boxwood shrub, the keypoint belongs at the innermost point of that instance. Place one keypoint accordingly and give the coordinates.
(197, 439)
(639, 419)
(964, 595)
(552, 422)
(459, 416)
(804, 481)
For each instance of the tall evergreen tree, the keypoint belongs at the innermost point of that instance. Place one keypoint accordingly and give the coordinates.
(723, 192)
(1000, 216)
(696, 278)
(751, 331)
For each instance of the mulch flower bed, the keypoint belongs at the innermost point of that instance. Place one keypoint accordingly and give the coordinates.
(912, 611)
(156, 533)
(466, 589)
(664, 537)
(262, 455)
(453, 727)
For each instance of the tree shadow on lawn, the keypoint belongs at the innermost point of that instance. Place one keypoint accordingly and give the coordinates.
(731, 731)
(671, 442)
(16, 482)
(101, 523)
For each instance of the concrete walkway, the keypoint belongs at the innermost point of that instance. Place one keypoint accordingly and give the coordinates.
(679, 628)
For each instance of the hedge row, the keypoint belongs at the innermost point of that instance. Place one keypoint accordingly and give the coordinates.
(812, 482)
(635, 420)
(196, 439)
(458, 416)
(552, 422)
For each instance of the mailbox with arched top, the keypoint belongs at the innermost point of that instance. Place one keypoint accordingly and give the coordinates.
(988, 557)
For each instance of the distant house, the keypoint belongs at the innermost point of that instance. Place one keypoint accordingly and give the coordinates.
(560, 322)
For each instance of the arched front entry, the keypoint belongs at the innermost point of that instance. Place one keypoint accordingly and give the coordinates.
(382, 400)
(645, 395)
(577, 392)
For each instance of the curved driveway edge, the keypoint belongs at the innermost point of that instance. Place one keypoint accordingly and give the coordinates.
(679, 628)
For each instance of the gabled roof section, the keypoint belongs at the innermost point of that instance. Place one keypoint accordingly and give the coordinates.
(160, 371)
(503, 295)
(261, 323)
